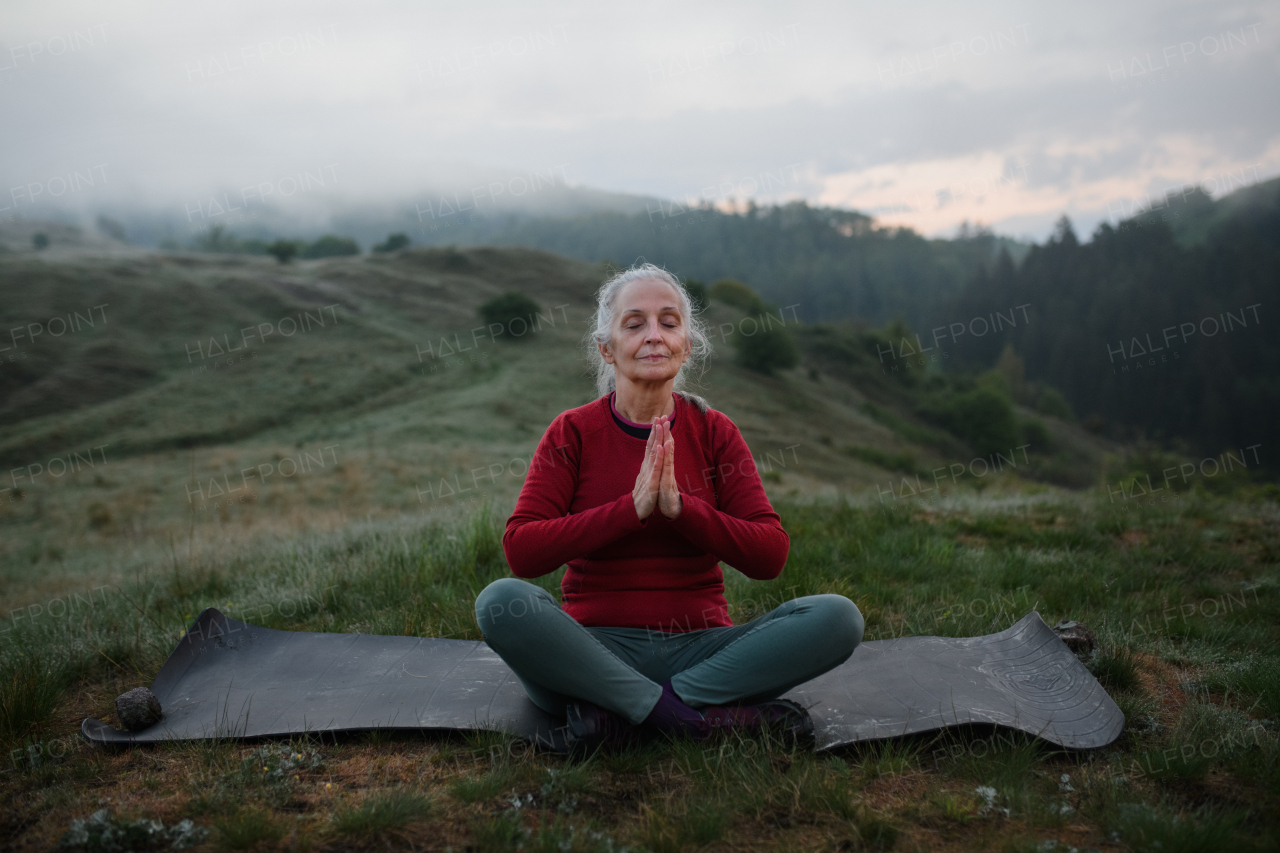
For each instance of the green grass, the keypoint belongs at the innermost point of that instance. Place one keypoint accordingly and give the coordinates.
(249, 828)
(382, 813)
(101, 571)
(390, 419)
(913, 432)
(1151, 828)
(1115, 667)
(905, 462)
(476, 789)
(1255, 681)
(29, 692)
(970, 567)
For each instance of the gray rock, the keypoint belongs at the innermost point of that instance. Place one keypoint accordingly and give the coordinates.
(1078, 636)
(138, 709)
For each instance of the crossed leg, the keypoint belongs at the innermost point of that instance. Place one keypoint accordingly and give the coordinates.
(621, 669)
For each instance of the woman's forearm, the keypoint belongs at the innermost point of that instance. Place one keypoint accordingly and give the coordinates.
(535, 545)
(757, 548)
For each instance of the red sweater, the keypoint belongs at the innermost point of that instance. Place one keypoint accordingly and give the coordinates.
(576, 508)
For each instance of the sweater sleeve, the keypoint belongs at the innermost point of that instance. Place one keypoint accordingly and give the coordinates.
(542, 535)
(747, 533)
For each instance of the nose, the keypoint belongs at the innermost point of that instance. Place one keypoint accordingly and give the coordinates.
(652, 333)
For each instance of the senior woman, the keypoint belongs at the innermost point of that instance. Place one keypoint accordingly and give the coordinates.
(641, 493)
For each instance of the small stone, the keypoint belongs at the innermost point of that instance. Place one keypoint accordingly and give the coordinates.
(138, 709)
(1078, 636)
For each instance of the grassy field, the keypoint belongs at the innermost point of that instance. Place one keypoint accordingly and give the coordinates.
(345, 389)
(297, 484)
(1184, 599)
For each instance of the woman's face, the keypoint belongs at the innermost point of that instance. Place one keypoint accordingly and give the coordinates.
(649, 341)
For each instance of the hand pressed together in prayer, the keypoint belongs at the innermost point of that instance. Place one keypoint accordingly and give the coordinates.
(656, 482)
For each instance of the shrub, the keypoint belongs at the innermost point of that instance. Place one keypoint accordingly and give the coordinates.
(1051, 402)
(1036, 434)
(331, 246)
(394, 242)
(40, 241)
(894, 349)
(452, 259)
(1147, 461)
(283, 250)
(996, 381)
(770, 347)
(505, 310)
(737, 294)
(983, 417)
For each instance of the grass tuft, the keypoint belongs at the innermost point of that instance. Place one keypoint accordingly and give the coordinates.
(1148, 829)
(674, 823)
(249, 828)
(29, 692)
(1115, 667)
(382, 814)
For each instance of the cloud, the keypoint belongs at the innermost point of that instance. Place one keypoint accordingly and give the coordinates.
(928, 114)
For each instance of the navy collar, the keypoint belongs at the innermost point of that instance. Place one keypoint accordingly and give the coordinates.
(631, 429)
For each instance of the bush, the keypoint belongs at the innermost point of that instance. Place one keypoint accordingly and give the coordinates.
(737, 294)
(1036, 434)
(1051, 402)
(506, 310)
(996, 381)
(983, 417)
(394, 242)
(283, 250)
(39, 241)
(894, 350)
(1145, 462)
(331, 246)
(771, 347)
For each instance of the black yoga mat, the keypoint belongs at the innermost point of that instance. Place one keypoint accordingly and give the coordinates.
(230, 679)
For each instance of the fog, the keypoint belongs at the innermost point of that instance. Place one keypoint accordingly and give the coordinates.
(1004, 114)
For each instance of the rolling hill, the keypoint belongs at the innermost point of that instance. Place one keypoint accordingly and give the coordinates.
(206, 385)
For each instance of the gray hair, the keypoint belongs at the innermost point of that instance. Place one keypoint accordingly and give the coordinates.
(606, 312)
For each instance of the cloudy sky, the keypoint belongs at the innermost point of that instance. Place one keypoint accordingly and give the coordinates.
(1007, 114)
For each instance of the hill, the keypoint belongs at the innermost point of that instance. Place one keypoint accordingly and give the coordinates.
(1156, 328)
(373, 376)
(332, 446)
(830, 263)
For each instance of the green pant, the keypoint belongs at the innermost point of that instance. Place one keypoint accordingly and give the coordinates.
(622, 669)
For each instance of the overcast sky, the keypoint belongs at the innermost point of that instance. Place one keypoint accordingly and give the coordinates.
(1007, 114)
